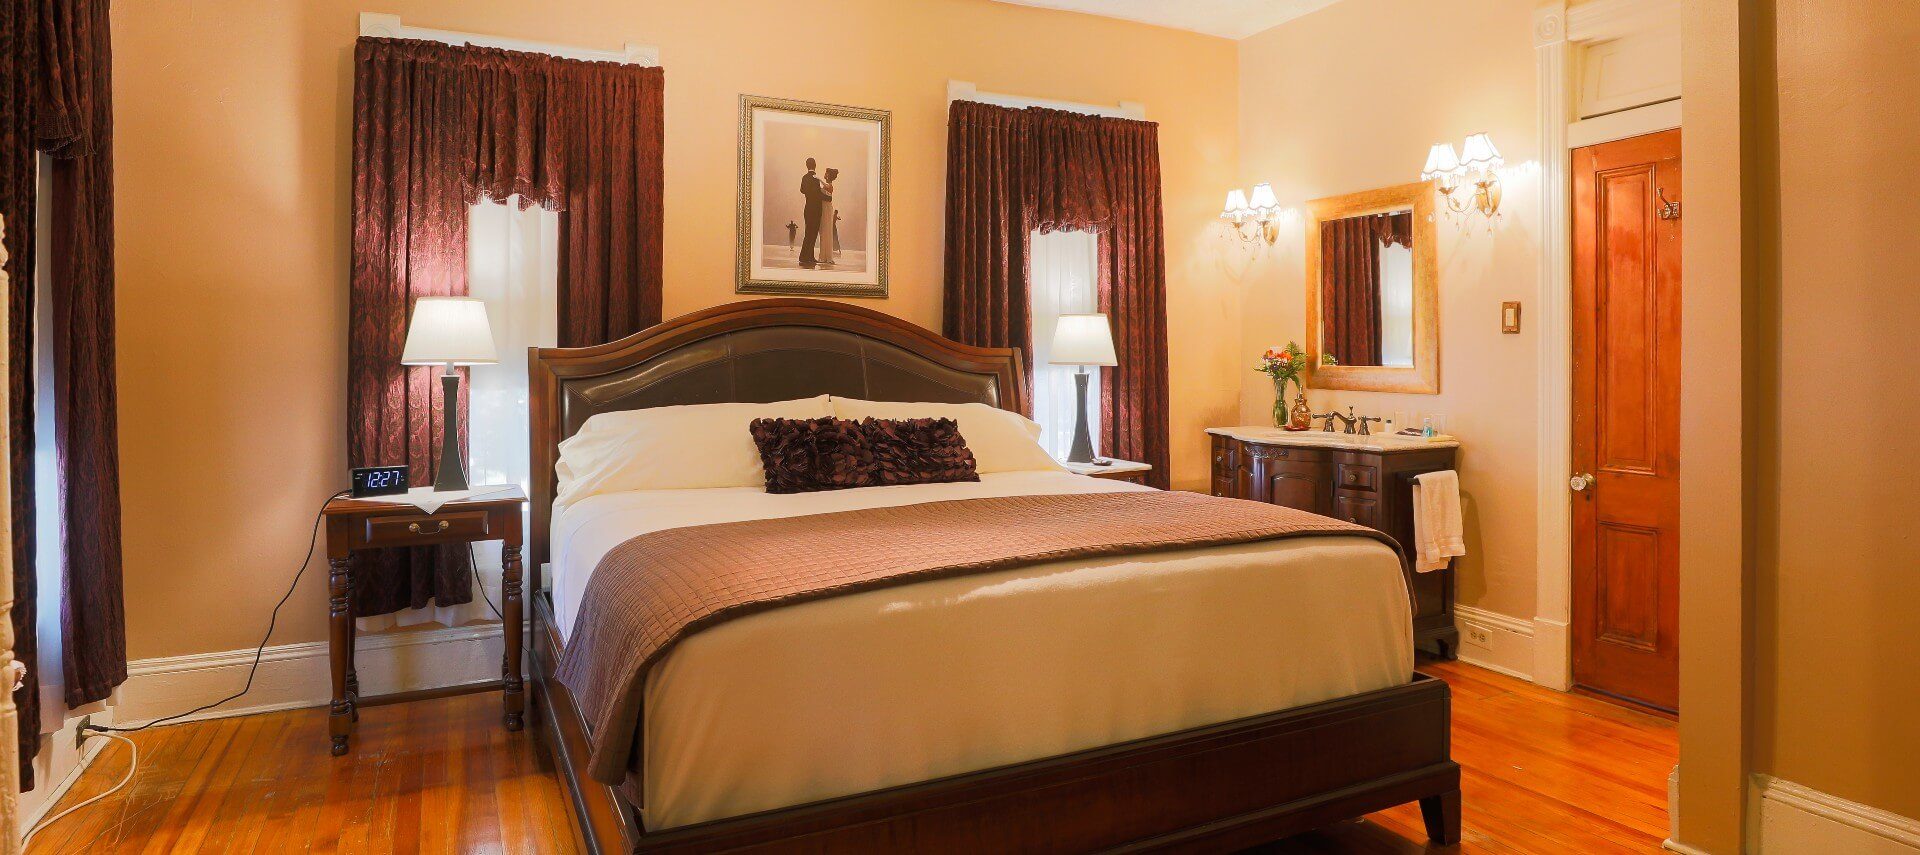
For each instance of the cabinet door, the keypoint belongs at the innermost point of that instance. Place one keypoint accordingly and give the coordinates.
(1226, 467)
(1298, 485)
(1358, 509)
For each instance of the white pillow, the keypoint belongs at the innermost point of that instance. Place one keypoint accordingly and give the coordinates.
(1001, 441)
(671, 448)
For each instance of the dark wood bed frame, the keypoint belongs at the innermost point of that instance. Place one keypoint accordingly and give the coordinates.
(1215, 788)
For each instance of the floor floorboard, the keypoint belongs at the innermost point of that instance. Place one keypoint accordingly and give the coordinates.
(1543, 772)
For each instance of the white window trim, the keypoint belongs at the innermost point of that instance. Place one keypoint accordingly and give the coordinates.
(961, 90)
(385, 25)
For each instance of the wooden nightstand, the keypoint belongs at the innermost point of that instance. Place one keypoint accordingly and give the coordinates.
(370, 524)
(1118, 470)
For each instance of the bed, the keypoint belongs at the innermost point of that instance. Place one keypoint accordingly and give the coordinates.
(1202, 699)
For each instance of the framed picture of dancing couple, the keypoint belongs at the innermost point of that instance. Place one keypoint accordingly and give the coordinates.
(813, 198)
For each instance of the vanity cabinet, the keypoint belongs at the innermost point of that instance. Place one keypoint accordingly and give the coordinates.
(1363, 480)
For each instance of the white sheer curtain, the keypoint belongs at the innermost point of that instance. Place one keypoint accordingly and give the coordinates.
(512, 264)
(1396, 305)
(1064, 266)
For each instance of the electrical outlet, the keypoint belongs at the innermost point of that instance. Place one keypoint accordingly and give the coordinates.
(81, 733)
(1478, 635)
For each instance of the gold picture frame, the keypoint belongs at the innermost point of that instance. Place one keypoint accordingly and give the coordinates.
(1424, 377)
(812, 213)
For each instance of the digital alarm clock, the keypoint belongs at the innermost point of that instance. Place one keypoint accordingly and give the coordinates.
(379, 481)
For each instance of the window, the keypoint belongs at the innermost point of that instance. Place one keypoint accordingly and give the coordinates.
(513, 264)
(1063, 267)
(1396, 305)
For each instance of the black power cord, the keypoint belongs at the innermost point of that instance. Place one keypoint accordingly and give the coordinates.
(474, 565)
(313, 539)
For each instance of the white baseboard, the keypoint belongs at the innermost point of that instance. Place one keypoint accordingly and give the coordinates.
(1795, 819)
(1551, 643)
(297, 675)
(1494, 641)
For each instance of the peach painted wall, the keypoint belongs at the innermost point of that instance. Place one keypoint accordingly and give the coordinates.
(1837, 707)
(233, 154)
(1349, 98)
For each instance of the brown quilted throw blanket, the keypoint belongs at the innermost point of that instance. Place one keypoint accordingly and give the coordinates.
(658, 588)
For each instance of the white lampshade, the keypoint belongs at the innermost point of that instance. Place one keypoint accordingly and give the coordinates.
(1479, 154)
(1441, 162)
(1083, 340)
(1263, 200)
(449, 331)
(1236, 205)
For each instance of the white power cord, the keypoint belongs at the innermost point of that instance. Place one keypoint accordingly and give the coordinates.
(132, 766)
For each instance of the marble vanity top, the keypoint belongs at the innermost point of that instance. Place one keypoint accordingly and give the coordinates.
(1381, 443)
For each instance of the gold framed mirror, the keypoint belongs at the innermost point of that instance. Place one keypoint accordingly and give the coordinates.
(1372, 291)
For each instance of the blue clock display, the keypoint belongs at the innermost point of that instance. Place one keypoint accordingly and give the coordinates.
(379, 480)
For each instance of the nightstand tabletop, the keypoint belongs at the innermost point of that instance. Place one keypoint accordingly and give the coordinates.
(384, 504)
(1114, 468)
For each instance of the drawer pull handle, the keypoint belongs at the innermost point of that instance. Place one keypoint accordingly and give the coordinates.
(416, 529)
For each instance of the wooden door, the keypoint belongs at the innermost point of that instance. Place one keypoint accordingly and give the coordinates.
(1626, 419)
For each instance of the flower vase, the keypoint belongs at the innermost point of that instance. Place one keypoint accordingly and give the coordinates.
(1281, 417)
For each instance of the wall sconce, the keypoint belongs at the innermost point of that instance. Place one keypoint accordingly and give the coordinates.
(1256, 219)
(1477, 164)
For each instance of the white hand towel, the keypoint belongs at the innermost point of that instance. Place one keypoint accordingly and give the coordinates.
(1437, 533)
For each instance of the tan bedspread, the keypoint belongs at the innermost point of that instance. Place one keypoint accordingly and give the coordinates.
(658, 588)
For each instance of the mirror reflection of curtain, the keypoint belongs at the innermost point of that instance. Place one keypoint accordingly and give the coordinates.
(1065, 269)
(1350, 290)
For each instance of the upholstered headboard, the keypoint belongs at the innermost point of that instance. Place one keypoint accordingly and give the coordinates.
(754, 352)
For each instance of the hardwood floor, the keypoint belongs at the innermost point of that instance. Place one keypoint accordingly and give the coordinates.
(1542, 772)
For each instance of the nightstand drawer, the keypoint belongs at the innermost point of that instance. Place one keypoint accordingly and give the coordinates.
(409, 529)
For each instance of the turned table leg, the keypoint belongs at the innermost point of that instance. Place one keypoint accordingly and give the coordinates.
(340, 642)
(512, 606)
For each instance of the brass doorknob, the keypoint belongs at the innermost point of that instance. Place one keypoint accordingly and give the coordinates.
(1581, 481)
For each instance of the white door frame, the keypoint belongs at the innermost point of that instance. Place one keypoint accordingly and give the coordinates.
(1557, 31)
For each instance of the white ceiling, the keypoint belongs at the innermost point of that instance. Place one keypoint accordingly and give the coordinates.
(1234, 19)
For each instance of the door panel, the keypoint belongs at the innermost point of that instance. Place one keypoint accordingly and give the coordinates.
(1626, 418)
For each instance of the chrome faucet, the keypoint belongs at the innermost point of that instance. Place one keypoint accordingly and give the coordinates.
(1348, 421)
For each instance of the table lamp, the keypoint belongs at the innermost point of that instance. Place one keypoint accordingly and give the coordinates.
(450, 331)
(1082, 340)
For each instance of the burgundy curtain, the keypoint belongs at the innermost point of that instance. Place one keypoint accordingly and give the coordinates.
(610, 217)
(412, 127)
(437, 128)
(1394, 229)
(1135, 422)
(19, 59)
(1010, 172)
(1350, 289)
(78, 133)
(56, 97)
(989, 229)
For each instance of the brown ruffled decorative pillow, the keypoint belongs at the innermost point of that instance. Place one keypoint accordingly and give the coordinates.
(918, 451)
(808, 455)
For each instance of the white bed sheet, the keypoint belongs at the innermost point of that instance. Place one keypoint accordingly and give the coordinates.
(942, 677)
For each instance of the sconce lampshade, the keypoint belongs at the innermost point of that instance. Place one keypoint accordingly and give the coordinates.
(1441, 162)
(1479, 154)
(1236, 207)
(1083, 340)
(449, 331)
(1263, 200)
